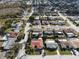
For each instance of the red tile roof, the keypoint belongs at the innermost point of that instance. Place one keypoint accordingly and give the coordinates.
(38, 43)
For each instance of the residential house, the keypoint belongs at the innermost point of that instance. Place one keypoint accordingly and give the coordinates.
(70, 33)
(51, 44)
(3, 39)
(74, 42)
(11, 37)
(37, 44)
(64, 44)
(48, 33)
(36, 33)
(59, 33)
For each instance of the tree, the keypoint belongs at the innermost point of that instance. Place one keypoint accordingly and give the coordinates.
(8, 23)
(20, 37)
(31, 19)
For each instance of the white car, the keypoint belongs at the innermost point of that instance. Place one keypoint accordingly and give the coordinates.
(77, 53)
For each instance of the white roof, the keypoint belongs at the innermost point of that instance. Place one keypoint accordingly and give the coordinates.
(8, 44)
(70, 34)
(51, 44)
(4, 38)
(37, 17)
(63, 40)
(35, 33)
(50, 41)
(4, 43)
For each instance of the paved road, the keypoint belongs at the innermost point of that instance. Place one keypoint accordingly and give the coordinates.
(50, 57)
(22, 51)
(71, 24)
(2, 55)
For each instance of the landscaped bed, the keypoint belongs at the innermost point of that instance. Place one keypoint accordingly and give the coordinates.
(31, 51)
(66, 52)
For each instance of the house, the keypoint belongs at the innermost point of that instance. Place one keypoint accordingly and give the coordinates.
(64, 44)
(11, 37)
(38, 44)
(51, 44)
(36, 22)
(70, 33)
(16, 26)
(8, 44)
(61, 23)
(59, 33)
(44, 22)
(19, 24)
(74, 42)
(12, 34)
(77, 22)
(3, 39)
(48, 33)
(13, 25)
(36, 33)
(37, 18)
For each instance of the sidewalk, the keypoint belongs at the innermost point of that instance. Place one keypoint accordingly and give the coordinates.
(2, 55)
(50, 57)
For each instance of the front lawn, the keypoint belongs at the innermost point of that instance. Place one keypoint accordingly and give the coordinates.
(66, 52)
(48, 52)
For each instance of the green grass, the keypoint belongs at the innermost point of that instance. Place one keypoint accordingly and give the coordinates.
(8, 30)
(35, 53)
(2, 21)
(48, 52)
(66, 52)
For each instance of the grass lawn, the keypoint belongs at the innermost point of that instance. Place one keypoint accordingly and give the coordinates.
(48, 52)
(35, 53)
(66, 52)
(8, 30)
(2, 21)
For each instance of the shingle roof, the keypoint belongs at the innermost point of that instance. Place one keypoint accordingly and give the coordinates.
(12, 34)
